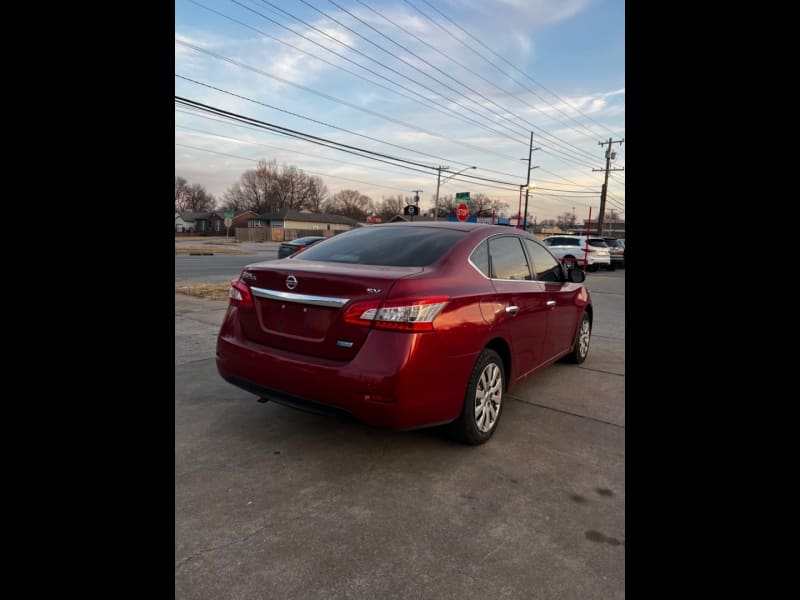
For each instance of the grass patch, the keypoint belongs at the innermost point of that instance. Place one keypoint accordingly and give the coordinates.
(208, 250)
(209, 291)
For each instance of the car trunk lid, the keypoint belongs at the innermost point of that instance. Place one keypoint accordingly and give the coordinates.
(300, 306)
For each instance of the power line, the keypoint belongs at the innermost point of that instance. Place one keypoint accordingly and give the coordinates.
(304, 170)
(387, 67)
(238, 117)
(428, 103)
(555, 152)
(316, 156)
(261, 129)
(479, 76)
(294, 114)
(297, 134)
(349, 149)
(422, 101)
(331, 98)
(364, 153)
(466, 87)
(471, 36)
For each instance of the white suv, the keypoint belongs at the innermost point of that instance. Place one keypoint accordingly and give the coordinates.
(567, 247)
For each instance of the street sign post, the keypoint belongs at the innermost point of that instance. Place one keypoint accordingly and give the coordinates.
(462, 212)
(462, 197)
(228, 222)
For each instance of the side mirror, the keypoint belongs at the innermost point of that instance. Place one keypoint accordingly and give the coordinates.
(576, 275)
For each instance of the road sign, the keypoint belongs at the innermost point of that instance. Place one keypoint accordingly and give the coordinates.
(463, 197)
(228, 214)
(228, 221)
(462, 212)
(411, 209)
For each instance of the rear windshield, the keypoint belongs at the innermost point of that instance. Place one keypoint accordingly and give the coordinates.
(560, 241)
(385, 246)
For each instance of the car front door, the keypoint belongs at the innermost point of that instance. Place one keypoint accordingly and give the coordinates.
(523, 301)
(560, 298)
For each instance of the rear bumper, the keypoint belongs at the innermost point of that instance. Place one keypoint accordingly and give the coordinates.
(599, 260)
(397, 380)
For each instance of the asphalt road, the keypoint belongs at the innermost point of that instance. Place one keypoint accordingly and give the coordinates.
(276, 503)
(220, 267)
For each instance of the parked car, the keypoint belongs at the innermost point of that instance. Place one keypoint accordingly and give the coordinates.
(617, 249)
(566, 248)
(289, 248)
(405, 325)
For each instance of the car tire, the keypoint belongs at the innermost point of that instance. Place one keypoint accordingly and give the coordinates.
(483, 401)
(582, 339)
(569, 262)
(592, 268)
(611, 267)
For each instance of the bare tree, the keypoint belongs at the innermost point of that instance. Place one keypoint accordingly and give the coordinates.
(349, 203)
(316, 194)
(447, 206)
(480, 205)
(566, 220)
(269, 188)
(390, 207)
(192, 198)
(499, 207)
(180, 194)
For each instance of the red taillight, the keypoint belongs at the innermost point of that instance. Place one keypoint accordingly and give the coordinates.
(240, 295)
(402, 314)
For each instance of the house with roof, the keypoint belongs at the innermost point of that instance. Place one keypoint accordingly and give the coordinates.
(288, 224)
(209, 223)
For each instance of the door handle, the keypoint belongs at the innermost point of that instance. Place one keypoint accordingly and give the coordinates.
(551, 303)
(512, 309)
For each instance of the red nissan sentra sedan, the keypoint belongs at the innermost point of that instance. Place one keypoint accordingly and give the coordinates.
(405, 325)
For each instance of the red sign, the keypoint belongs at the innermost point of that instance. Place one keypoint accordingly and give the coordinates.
(462, 212)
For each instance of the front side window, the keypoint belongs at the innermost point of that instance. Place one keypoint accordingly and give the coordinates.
(544, 265)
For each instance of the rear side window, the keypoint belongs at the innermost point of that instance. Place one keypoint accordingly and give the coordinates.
(398, 246)
(597, 243)
(508, 259)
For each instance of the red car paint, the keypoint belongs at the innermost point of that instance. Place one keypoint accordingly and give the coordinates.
(301, 329)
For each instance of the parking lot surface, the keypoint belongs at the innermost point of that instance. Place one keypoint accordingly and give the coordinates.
(275, 503)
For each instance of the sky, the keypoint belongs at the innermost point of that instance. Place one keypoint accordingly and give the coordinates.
(430, 87)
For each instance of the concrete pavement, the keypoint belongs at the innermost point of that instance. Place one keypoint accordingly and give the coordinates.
(276, 503)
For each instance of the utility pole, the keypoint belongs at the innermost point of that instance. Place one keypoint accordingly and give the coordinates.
(528, 182)
(416, 202)
(609, 155)
(436, 201)
(438, 181)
